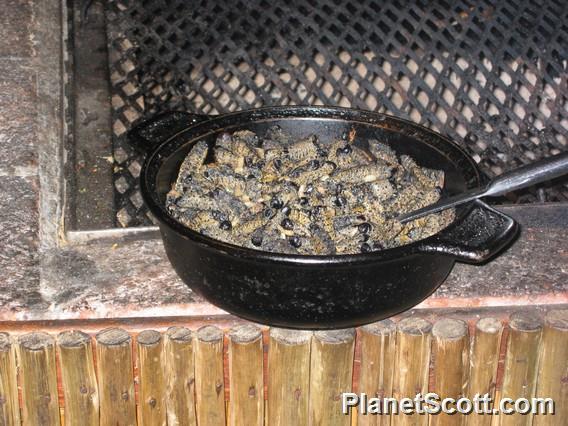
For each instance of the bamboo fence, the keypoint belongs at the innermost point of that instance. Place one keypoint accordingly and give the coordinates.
(252, 375)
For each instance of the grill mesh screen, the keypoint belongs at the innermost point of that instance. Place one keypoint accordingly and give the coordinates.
(492, 75)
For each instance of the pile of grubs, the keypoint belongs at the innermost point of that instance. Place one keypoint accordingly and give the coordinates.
(307, 197)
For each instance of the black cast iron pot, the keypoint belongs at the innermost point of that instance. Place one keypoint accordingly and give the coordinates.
(317, 291)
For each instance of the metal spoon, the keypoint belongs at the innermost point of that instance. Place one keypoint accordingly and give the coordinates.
(531, 174)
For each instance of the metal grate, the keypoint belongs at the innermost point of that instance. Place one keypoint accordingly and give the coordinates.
(492, 75)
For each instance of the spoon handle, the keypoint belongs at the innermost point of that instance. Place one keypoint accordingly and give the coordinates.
(443, 204)
(531, 174)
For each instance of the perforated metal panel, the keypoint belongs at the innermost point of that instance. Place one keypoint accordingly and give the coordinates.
(492, 75)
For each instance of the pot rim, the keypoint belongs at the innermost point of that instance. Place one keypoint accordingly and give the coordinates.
(309, 112)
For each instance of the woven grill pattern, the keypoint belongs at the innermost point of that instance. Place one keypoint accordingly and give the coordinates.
(492, 75)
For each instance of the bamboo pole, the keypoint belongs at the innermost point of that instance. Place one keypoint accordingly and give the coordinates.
(483, 361)
(412, 364)
(209, 383)
(521, 363)
(288, 377)
(9, 408)
(80, 389)
(553, 371)
(331, 371)
(246, 393)
(180, 376)
(378, 342)
(152, 382)
(450, 351)
(116, 379)
(36, 355)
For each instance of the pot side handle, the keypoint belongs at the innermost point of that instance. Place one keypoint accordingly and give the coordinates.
(483, 233)
(148, 134)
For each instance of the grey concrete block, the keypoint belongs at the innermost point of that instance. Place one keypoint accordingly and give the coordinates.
(16, 21)
(18, 130)
(19, 260)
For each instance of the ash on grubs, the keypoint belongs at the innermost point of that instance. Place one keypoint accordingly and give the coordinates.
(278, 194)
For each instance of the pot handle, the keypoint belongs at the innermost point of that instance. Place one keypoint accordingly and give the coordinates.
(150, 133)
(482, 234)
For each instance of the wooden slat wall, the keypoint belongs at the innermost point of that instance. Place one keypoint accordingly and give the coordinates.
(138, 373)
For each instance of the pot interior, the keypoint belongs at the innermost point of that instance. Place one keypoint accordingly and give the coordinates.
(427, 148)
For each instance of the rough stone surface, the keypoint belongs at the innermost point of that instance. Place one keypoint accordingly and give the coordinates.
(18, 101)
(537, 263)
(105, 279)
(19, 266)
(16, 20)
(102, 280)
